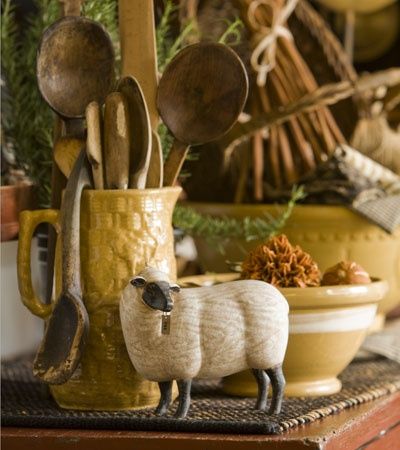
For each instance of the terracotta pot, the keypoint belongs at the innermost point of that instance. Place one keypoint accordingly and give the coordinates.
(327, 326)
(329, 233)
(14, 199)
(121, 231)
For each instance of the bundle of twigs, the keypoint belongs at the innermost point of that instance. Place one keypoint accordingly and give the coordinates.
(296, 147)
(291, 129)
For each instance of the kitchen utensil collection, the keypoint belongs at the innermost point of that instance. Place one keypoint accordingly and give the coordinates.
(200, 96)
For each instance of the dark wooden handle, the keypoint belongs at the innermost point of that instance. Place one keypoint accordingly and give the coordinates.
(174, 162)
(70, 225)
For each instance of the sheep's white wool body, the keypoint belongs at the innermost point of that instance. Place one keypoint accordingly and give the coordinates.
(214, 331)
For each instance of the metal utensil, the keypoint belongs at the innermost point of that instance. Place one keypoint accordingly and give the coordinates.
(94, 125)
(66, 331)
(140, 132)
(200, 95)
(116, 141)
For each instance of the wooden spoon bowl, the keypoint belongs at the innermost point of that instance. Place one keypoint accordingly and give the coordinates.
(75, 65)
(202, 92)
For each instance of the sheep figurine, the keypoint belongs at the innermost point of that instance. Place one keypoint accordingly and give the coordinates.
(205, 332)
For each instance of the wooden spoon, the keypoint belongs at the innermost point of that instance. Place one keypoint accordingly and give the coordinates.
(116, 141)
(136, 25)
(75, 65)
(200, 95)
(155, 174)
(94, 124)
(139, 130)
(68, 326)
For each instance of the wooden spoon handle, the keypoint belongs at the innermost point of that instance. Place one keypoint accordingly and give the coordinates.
(156, 170)
(116, 141)
(70, 224)
(71, 7)
(139, 130)
(93, 143)
(174, 162)
(138, 49)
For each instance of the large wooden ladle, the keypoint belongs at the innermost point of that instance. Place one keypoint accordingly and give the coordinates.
(68, 326)
(200, 95)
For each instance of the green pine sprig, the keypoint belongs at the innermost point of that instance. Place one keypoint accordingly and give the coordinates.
(26, 119)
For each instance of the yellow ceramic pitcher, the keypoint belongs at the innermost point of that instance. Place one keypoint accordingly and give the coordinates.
(121, 231)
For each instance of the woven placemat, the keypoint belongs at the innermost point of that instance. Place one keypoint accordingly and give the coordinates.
(26, 403)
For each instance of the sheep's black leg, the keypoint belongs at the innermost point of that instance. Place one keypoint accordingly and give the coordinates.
(278, 387)
(165, 400)
(263, 384)
(184, 387)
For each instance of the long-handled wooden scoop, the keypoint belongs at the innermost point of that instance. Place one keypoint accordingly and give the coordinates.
(68, 326)
(140, 132)
(200, 95)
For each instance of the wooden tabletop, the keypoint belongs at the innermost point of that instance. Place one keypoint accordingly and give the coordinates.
(372, 426)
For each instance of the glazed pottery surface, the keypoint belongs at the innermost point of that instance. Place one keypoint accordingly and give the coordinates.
(121, 231)
(327, 325)
(329, 233)
(361, 6)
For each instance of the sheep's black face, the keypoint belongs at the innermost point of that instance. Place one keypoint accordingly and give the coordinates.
(157, 295)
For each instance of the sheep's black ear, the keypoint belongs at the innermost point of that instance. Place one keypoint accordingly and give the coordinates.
(175, 288)
(138, 282)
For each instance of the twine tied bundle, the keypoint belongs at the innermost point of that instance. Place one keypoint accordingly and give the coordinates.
(263, 58)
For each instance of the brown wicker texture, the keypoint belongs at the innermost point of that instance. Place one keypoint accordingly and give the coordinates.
(25, 402)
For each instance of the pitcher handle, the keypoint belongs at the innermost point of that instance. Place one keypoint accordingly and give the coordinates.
(28, 221)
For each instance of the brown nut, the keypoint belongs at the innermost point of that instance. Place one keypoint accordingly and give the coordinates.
(345, 272)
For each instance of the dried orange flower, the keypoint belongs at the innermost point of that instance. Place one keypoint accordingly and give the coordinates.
(279, 263)
(345, 272)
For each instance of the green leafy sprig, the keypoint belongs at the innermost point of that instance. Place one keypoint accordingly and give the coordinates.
(215, 228)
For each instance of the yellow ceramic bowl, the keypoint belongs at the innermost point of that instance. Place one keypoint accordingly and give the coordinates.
(363, 6)
(329, 233)
(327, 326)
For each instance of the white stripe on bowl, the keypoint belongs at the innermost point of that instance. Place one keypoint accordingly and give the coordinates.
(332, 321)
